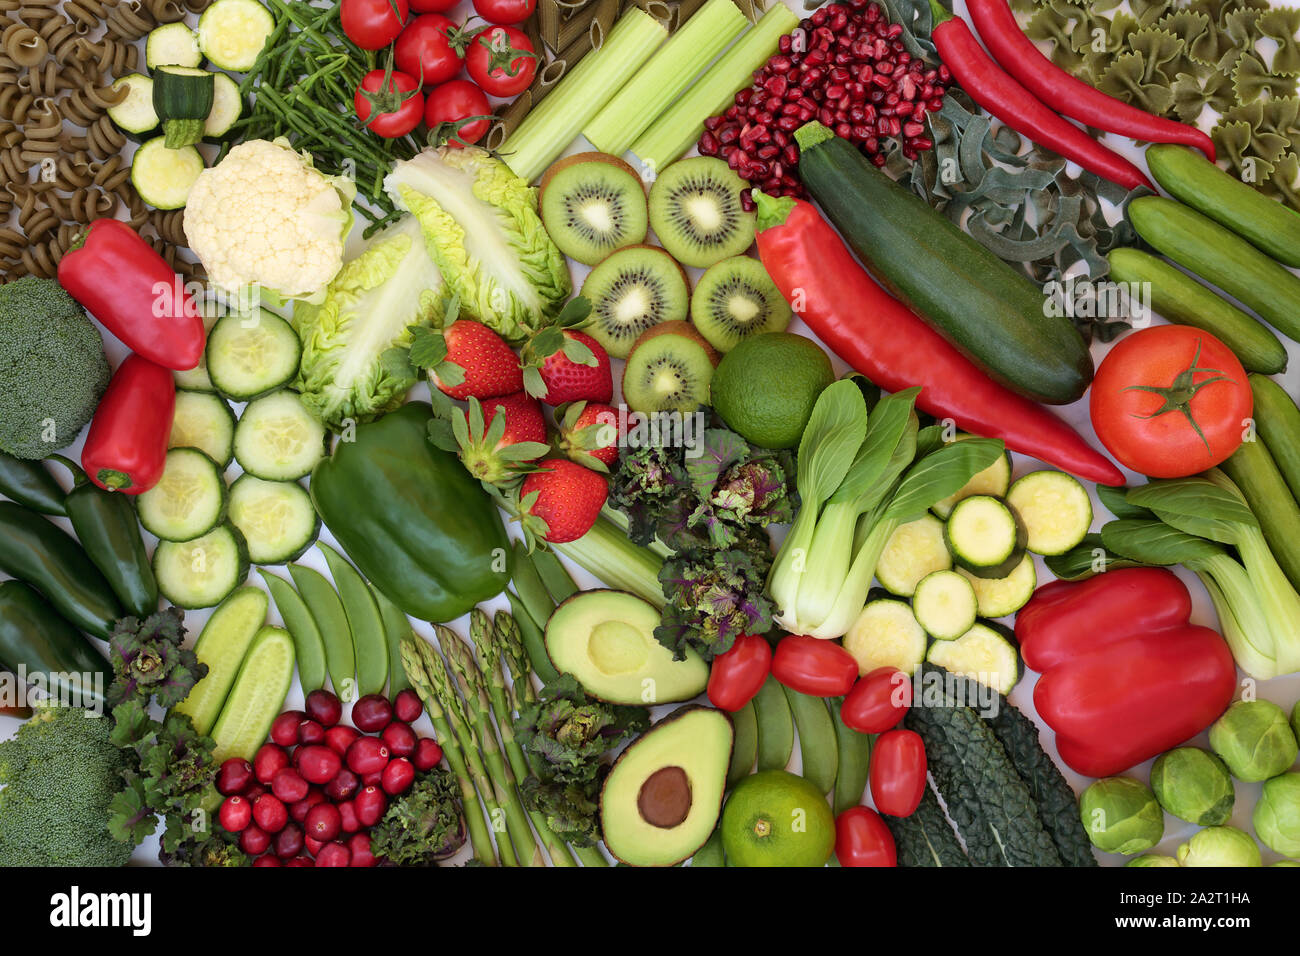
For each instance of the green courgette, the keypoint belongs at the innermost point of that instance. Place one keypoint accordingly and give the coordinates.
(1253, 470)
(1277, 421)
(986, 308)
(182, 98)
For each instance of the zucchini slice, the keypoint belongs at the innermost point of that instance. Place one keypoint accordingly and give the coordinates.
(1054, 509)
(914, 550)
(135, 115)
(985, 536)
(200, 573)
(993, 480)
(163, 176)
(945, 605)
(278, 439)
(276, 518)
(252, 355)
(998, 597)
(226, 109)
(982, 654)
(189, 499)
(172, 44)
(232, 33)
(204, 421)
(886, 634)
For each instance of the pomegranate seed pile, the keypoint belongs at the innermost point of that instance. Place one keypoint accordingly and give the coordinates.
(844, 66)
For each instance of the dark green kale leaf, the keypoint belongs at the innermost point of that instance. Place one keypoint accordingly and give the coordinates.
(565, 734)
(424, 825)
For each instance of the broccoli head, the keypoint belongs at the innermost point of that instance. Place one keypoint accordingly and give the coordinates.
(52, 365)
(60, 772)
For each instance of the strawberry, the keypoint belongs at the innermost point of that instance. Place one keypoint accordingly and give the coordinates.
(499, 445)
(589, 434)
(467, 360)
(562, 364)
(561, 500)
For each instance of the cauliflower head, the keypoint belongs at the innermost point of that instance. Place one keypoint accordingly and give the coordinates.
(266, 216)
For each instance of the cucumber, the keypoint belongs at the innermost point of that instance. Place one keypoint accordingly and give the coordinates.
(172, 44)
(232, 33)
(276, 518)
(1189, 177)
(164, 176)
(309, 648)
(1253, 470)
(987, 308)
(257, 697)
(182, 98)
(332, 622)
(818, 749)
(189, 499)
(204, 421)
(886, 634)
(855, 760)
(945, 605)
(200, 573)
(196, 379)
(745, 747)
(252, 355)
(993, 480)
(914, 550)
(135, 115)
(278, 439)
(983, 654)
(985, 536)
(775, 726)
(1277, 422)
(1220, 257)
(1182, 300)
(227, 107)
(396, 629)
(222, 645)
(1054, 509)
(369, 638)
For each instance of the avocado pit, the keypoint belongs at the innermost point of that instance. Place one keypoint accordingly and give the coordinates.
(664, 800)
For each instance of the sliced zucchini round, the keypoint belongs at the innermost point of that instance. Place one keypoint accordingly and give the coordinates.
(985, 536)
(252, 355)
(886, 634)
(227, 106)
(982, 654)
(914, 550)
(276, 518)
(164, 177)
(232, 33)
(189, 499)
(998, 597)
(1054, 508)
(993, 480)
(200, 573)
(945, 605)
(278, 439)
(172, 44)
(204, 421)
(135, 115)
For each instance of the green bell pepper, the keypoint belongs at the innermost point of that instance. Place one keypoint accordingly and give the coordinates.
(411, 518)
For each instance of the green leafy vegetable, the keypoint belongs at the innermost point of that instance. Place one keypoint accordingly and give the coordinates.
(423, 825)
(713, 598)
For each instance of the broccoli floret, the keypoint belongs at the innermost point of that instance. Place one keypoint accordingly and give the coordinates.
(52, 364)
(60, 773)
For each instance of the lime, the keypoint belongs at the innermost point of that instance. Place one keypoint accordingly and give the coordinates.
(765, 387)
(775, 818)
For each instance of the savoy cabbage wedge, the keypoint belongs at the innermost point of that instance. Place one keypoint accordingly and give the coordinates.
(353, 365)
(482, 228)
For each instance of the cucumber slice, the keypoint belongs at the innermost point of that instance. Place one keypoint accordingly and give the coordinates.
(993, 480)
(1054, 508)
(196, 379)
(914, 550)
(276, 518)
(886, 634)
(232, 33)
(200, 573)
(135, 115)
(369, 638)
(172, 44)
(204, 421)
(278, 439)
(998, 597)
(227, 107)
(252, 355)
(985, 536)
(982, 654)
(308, 646)
(164, 177)
(257, 697)
(222, 645)
(945, 605)
(189, 499)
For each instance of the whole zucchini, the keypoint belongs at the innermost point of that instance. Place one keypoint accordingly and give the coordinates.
(1190, 178)
(182, 98)
(1222, 258)
(1277, 420)
(981, 304)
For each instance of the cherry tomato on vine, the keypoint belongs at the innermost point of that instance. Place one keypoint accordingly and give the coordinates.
(813, 666)
(502, 61)
(898, 772)
(736, 676)
(862, 839)
(428, 49)
(878, 701)
(450, 106)
(389, 109)
(505, 11)
(373, 24)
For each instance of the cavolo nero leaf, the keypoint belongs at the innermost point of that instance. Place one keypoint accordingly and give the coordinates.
(926, 838)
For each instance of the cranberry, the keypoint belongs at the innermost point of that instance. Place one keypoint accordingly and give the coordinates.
(234, 776)
(399, 738)
(348, 815)
(288, 785)
(428, 754)
(340, 738)
(310, 732)
(288, 842)
(343, 786)
(323, 822)
(397, 776)
(370, 804)
(270, 813)
(333, 854)
(367, 755)
(298, 812)
(359, 846)
(267, 860)
(268, 759)
(300, 861)
(407, 707)
(324, 708)
(318, 764)
(235, 814)
(313, 846)
(254, 840)
(284, 729)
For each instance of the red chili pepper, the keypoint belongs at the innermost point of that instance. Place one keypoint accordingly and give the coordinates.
(878, 701)
(862, 839)
(132, 291)
(738, 675)
(884, 340)
(813, 666)
(898, 772)
(127, 442)
(998, 92)
(1072, 97)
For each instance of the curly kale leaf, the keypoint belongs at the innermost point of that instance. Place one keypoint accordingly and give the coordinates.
(713, 598)
(572, 810)
(424, 825)
(148, 659)
(566, 735)
(649, 485)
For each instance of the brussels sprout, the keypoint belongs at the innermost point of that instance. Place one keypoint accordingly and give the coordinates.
(1254, 740)
(1220, 846)
(1121, 815)
(1193, 785)
(1152, 859)
(1277, 815)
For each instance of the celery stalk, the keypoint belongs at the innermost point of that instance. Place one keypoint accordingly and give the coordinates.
(677, 129)
(555, 122)
(606, 552)
(665, 77)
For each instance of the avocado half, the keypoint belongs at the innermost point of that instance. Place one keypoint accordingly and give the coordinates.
(606, 639)
(662, 798)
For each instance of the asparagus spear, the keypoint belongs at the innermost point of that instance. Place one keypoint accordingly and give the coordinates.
(522, 692)
(487, 653)
(413, 651)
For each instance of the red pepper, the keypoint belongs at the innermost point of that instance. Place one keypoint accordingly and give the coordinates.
(883, 339)
(738, 675)
(898, 772)
(132, 291)
(1125, 676)
(813, 666)
(878, 701)
(1072, 97)
(995, 90)
(127, 442)
(863, 839)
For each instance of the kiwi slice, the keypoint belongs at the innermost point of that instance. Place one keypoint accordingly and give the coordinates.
(669, 369)
(696, 212)
(735, 298)
(632, 290)
(592, 204)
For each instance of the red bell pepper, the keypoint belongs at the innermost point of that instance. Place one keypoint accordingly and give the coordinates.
(738, 675)
(132, 291)
(813, 666)
(126, 446)
(1125, 676)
